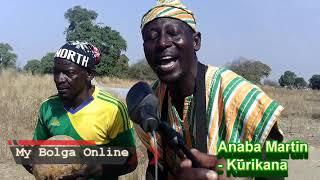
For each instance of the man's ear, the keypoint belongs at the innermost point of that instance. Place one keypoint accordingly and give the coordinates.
(196, 41)
(90, 75)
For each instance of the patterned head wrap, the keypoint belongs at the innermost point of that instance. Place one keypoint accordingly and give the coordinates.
(81, 53)
(170, 8)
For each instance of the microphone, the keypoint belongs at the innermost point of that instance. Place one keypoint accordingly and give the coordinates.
(143, 106)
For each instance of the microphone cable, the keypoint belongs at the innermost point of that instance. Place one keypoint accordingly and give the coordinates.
(154, 137)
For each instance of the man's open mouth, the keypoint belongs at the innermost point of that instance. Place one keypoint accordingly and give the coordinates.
(167, 63)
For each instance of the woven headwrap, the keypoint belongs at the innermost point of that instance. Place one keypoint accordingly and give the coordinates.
(81, 53)
(170, 8)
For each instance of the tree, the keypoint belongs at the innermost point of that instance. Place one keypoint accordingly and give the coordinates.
(7, 56)
(78, 14)
(269, 82)
(300, 83)
(33, 66)
(141, 71)
(251, 70)
(287, 79)
(111, 44)
(47, 63)
(314, 82)
(121, 67)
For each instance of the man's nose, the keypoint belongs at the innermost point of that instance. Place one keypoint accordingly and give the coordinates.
(60, 77)
(164, 41)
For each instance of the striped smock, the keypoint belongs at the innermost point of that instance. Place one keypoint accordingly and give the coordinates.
(236, 111)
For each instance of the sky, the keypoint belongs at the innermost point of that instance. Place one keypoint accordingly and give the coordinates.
(285, 34)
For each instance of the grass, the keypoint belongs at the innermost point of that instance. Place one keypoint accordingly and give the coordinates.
(301, 116)
(115, 82)
(297, 103)
(21, 95)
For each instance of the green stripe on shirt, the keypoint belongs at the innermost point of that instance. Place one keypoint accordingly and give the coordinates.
(120, 105)
(264, 121)
(243, 110)
(121, 113)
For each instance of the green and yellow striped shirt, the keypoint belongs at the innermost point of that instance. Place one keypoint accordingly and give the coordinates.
(102, 118)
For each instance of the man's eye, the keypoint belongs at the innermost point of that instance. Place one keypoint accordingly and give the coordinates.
(70, 73)
(173, 32)
(152, 35)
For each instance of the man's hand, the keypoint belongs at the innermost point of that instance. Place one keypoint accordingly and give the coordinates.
(205, 172)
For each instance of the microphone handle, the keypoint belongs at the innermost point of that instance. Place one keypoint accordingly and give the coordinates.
(177, 142)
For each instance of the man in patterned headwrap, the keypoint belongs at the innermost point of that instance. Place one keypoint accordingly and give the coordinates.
(206, 104)
(83, 111)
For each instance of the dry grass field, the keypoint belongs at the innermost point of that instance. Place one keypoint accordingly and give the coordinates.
(301, 116)
(21, 94)
(115, 82)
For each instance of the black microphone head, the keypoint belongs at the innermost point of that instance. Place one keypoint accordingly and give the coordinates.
(136, 94)
(143, 106)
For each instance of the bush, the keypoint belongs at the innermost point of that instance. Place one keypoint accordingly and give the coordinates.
(141, 71)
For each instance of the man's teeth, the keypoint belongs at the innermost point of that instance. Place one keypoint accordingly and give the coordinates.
(166, 57)
(168, 65)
